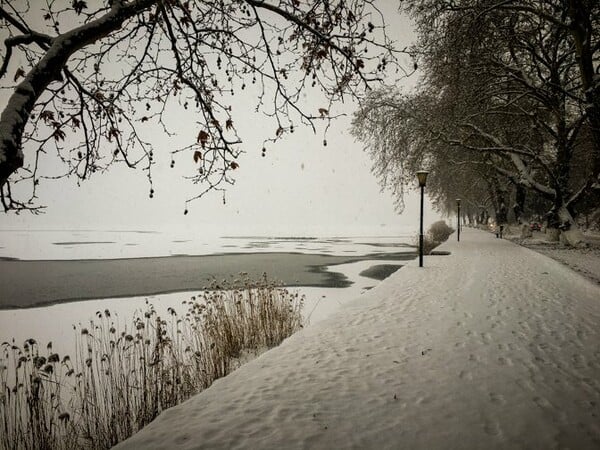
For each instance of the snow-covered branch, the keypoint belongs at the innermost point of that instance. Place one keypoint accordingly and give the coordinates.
(125, 64)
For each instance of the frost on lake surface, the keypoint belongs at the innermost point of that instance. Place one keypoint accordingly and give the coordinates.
(493, 346)
(95, 244)
(53, 323)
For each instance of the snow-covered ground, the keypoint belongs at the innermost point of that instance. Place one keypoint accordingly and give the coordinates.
(494, 346)
(585, 260)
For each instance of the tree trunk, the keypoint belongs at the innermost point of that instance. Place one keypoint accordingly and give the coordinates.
(562, 226)
(570, 234)
(12, 123)
(582, 31)
(519, 206)
(552, 234)
(525, 231)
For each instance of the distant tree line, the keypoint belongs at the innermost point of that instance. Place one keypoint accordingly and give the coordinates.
(506, 115)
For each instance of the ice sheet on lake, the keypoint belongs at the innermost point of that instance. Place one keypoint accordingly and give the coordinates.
(91, 244)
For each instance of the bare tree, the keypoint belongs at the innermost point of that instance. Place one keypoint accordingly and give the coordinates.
(95, 75)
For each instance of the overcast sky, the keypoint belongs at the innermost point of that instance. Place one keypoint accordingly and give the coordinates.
(300, 187)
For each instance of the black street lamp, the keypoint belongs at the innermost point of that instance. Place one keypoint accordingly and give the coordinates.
(458, 219)
(422, 177)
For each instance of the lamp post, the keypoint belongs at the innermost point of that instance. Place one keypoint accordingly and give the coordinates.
(458, 219)
(422, 177)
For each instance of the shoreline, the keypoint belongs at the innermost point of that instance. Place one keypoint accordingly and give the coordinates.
(38, 283)
(466, 351)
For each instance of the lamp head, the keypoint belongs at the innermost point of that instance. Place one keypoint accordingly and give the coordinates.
(458, 201)
(422, 177)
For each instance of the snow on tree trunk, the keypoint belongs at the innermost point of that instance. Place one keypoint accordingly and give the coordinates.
(47, 69)
(552, 234)
(12, 123)
(570, 232)
(525, 231)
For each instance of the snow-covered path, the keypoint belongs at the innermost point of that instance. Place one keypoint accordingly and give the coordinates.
(494, 346)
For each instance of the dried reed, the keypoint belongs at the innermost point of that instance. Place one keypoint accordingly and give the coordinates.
(121, 378)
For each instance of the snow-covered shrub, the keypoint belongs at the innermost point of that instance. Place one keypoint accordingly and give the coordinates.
(428, 243)
(439, 232)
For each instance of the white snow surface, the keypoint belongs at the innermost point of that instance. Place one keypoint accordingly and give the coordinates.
(583, 260)
(494, 346)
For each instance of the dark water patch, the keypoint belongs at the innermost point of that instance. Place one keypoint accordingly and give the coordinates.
(273, 238)
(83, 242)
(124, 231)
(380, 271)
(30, 283)
(293, 238)
(392, 244)
(332, 279)
(440, 253)
(8, 258)
(180, 242)
(129, 244)
(258, 245)
(400, 256)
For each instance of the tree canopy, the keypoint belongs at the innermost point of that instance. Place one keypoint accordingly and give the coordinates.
(509, 102)
(87, 78)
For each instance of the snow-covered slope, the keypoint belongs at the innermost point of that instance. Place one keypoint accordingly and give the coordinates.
(495, 346)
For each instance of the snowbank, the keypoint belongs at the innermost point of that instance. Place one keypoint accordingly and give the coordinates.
(494, 346)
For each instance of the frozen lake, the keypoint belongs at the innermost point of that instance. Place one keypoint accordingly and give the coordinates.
(90, 244)
(48, 249)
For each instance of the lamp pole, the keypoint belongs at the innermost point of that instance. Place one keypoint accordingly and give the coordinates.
(458, 219)
(422, 177)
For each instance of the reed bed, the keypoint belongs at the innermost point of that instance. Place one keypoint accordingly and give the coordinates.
(123, 375)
